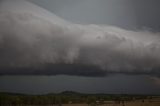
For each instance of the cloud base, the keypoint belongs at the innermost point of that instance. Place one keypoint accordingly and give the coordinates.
(40, 43)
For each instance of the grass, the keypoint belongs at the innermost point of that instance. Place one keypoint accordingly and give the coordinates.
(69, 98)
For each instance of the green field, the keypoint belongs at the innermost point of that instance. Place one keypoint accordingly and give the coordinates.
(69, 98)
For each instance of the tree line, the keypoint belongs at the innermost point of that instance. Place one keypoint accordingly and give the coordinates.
(62, 98)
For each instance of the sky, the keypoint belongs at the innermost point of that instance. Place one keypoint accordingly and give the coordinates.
(128, 14)
(90, 46)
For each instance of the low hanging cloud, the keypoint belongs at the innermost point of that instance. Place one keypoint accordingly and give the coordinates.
(34, 41)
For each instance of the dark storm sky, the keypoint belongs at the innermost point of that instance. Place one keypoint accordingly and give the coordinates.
(111, 84)
(128, 14)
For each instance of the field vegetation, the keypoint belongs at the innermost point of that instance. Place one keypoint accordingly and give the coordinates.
(69, 98)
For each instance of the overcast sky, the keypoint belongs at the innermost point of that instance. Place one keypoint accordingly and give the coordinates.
(127, 14)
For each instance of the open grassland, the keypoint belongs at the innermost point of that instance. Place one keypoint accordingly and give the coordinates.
(153, 102)
(131, 103)
(78, 99)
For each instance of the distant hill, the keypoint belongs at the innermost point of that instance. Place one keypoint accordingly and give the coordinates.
(70, 93)
(75, 93)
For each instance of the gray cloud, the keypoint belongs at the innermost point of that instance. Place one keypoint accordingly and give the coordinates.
(35, 41)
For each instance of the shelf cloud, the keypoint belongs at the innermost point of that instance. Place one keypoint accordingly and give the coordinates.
(34, 41)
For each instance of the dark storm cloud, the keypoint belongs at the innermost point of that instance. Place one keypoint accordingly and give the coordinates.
(128, 14)
(35, 41)
(147, 13)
